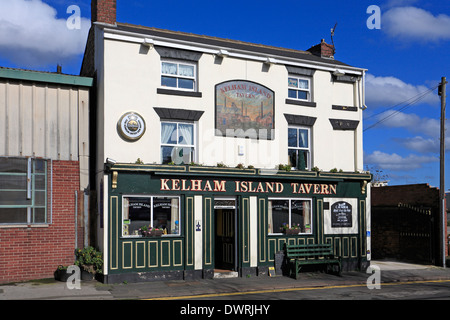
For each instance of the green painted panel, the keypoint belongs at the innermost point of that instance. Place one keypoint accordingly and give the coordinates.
(189, 232)
(165, 253)
(354, 247)
(272, 249)
(262, 230)
(113, 238)
(208, 241)
(140, 254)
(177, 253)
(153, 254)
(345, 247)
(244, 232)
(127, 248)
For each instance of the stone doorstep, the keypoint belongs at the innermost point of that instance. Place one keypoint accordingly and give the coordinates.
(222, 274)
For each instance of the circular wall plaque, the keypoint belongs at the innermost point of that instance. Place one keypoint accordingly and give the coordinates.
(131, 126)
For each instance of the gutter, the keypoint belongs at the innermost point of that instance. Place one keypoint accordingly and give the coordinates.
(151, 40)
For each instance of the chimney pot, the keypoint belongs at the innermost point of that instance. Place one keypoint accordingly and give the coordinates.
(323, 50)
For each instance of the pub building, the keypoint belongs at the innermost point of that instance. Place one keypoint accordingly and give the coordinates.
(211, 154)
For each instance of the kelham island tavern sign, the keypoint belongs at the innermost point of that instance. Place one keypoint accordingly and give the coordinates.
(246, 186)
(244, 109)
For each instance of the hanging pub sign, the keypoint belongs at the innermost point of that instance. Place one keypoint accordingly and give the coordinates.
(244, 109)
(341, 214)
(131, 126)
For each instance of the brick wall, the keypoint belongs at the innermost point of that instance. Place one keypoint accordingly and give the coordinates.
(103, 11)
(35, 252)
(400, 226)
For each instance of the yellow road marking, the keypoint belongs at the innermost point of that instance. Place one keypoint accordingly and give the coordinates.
(291, 289)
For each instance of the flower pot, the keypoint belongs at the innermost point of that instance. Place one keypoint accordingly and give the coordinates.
(62, 275)
(87, 276)
(144, 233)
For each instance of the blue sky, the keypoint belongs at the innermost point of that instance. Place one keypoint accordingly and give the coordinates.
(406, 57)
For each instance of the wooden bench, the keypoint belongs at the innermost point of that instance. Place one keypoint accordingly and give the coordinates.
(313, 254)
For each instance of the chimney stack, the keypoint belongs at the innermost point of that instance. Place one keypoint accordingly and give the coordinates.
(103, 11)
(323, 50)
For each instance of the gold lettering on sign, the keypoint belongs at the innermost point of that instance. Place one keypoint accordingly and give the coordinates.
(246, 186)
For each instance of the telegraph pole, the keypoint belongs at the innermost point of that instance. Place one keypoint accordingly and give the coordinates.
(442, 94)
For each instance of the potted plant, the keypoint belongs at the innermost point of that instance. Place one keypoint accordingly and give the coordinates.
(61, 273)
(90, 262)
(144, 231)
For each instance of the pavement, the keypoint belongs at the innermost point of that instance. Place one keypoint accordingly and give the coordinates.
(49, 289)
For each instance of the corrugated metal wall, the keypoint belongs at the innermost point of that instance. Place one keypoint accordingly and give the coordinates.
(44, 120)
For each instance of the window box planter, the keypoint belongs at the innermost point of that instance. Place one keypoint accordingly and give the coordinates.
(151, 233)
(292, 231)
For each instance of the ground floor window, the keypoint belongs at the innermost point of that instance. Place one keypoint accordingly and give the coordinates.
(23, 191)
(290, 214)
(153, 212)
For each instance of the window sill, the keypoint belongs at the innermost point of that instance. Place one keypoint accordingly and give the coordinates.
(161, 236)
(301, 103)
(24, 226)
(344, 108)
(288, 235)
(174, 92)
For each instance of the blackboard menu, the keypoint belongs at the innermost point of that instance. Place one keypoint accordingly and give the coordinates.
(341, 215)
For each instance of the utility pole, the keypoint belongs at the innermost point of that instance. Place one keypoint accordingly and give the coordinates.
(441, 93)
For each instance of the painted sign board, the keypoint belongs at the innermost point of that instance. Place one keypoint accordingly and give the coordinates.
(244, 109)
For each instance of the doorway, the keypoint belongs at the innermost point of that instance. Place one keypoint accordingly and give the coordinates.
(225, 234)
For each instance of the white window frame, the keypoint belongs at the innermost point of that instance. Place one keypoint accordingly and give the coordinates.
(297, 89)
(308, 149)
(150, 223)
(194, 139)
(177, 76)
(290, 214)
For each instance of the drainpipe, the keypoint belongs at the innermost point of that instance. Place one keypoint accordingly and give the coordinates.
(76, 219)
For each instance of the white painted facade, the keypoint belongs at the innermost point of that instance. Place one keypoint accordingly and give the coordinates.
(129, 73)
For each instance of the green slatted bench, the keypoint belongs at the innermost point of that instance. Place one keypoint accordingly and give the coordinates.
(313, 254)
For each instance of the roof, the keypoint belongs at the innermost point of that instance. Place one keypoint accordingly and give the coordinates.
(48, 77)
(227, 43)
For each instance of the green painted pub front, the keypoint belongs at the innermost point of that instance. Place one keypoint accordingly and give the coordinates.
(225, 219)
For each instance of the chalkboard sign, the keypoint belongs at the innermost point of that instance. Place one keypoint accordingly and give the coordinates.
(341, 215)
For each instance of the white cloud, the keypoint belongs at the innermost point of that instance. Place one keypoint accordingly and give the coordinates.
(412, 122)
(396, 162)
(390, 91)
(411, 23)
(420, 144)
(32, 35)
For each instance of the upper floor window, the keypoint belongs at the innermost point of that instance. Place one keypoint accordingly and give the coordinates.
(299, 147)
(178, 75)
(299, 88)
(177, 142)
